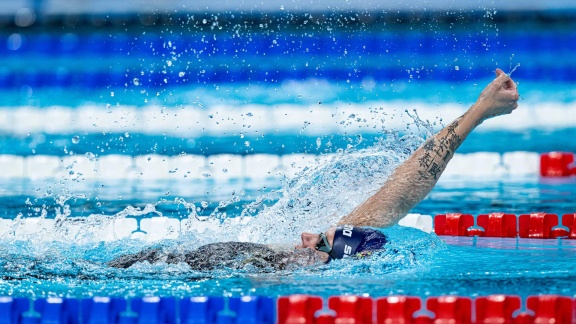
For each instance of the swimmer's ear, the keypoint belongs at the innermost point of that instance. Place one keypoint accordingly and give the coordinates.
(499, 72)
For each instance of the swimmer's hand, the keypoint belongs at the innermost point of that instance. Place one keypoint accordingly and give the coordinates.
(500, 97)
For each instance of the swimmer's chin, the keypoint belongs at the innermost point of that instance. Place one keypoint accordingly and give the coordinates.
(299, 258)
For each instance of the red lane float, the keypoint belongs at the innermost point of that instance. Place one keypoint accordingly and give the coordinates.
(496, 308)
(301, 309)
(351, 309)
(397, 309)
(450, 309)
(557, 164)
(453, 224)
(547, 309)
(537, 225)
(298, 309)
(569, 220)
(498, 224)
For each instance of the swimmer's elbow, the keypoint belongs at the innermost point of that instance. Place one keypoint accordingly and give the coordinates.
(378, 211)
(380, 221)
(387, 221)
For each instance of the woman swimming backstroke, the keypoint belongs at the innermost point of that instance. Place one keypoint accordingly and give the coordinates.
(356, 232)
(414, 178)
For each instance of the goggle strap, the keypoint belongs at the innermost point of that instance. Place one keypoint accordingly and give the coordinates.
(323, 245)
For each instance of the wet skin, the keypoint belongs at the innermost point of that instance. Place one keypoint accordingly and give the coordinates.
(309, 241)
(235, 255)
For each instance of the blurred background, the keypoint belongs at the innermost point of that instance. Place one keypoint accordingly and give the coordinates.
(168, 99)
(116, 112)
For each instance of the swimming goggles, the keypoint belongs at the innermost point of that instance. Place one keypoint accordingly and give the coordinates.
(324, 246)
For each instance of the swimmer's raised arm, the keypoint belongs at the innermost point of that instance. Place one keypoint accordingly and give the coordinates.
(415, 178)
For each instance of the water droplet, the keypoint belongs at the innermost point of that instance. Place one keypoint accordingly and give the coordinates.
(76, 139)
(181, 74)
(457, 68)
(136, 81)
(14, 42)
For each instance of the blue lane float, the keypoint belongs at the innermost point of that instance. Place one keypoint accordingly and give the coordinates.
(146, 310)
(290, 310)
(221, 54)
(13, 79)
(151, 44)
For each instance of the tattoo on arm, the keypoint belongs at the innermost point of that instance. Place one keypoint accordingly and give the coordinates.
(437, 152)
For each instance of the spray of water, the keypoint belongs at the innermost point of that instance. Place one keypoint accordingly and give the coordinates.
(513, 69)
(77, 248)
(323, 193)
(313, 200)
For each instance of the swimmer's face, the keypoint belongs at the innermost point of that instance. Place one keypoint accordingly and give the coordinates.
(309, 240)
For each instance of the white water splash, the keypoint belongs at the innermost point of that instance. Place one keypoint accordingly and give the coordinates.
(313, 200)
(323, 193)
(513, 69)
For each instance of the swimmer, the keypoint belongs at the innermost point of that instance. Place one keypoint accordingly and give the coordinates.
(357, 233)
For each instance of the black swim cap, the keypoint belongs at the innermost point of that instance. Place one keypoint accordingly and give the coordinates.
(349, 240)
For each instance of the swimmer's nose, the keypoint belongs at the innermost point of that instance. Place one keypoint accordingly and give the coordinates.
(309, 240)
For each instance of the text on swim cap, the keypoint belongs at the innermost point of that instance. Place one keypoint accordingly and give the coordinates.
(347, 230)
(347, 249)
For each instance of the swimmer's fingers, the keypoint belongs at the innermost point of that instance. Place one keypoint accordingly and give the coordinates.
(512, 90)
(504, 80)
(511, 85)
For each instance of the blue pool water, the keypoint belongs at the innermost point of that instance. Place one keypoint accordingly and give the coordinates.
(360, 98)
(414, 263)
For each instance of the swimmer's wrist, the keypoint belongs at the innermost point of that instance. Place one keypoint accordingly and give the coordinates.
(475, 113)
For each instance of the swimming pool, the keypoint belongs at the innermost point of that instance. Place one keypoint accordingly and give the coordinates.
(201, 126)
